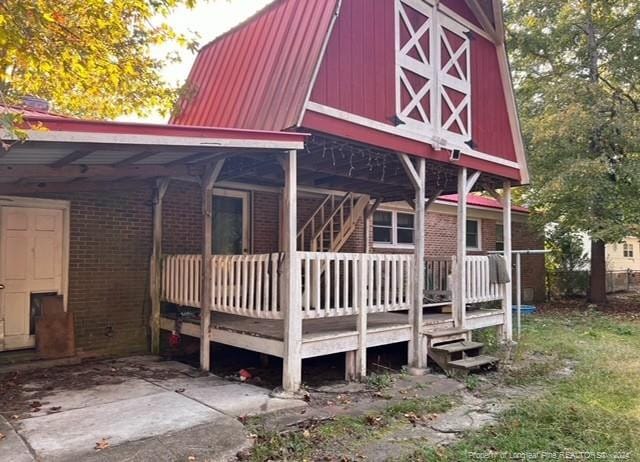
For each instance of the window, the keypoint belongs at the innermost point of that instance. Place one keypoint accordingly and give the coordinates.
(433, 84)
(392, 228)
(473, 235)
(499, 237)
(404, 223)
(383, 227)
(627, 250)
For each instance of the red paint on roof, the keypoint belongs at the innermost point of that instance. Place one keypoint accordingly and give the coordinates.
(258, 75)
(481, 201)
(69, 124)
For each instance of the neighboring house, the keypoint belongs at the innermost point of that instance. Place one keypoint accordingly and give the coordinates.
(305, 123)
(623, 256)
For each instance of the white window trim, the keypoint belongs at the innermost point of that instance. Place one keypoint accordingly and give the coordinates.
(479, 247)
(627, 249)
(394, 230)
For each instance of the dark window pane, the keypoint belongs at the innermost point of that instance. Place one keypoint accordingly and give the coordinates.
(472, 234)
(405, 220)
(381, 234)
(472, 227)
(382, 218)
(405, 236)
(227, 225)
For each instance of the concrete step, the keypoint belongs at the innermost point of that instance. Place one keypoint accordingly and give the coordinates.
(474, 362)
(457, 347)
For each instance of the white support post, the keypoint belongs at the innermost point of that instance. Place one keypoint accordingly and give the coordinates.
(417, 356)
(209, 178)
(290, 296)
(459, 305)
(155, 264)
(507, 301)
(361, 354)
(519, 291)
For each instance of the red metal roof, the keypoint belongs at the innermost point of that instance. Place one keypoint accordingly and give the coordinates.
(284, 41)
(55, 123)
(481, 201)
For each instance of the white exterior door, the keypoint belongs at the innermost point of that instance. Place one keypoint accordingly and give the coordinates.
(31, 261)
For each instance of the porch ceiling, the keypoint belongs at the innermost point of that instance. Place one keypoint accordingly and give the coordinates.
(42, 165)
(49, 166)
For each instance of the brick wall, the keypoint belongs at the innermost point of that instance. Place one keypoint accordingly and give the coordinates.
(110, 246)
(109, 251)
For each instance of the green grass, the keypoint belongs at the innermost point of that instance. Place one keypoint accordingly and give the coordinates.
(595, 410)
(380, 382)
(341, 435)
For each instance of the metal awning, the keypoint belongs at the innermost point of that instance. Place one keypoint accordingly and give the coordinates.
(70, 154)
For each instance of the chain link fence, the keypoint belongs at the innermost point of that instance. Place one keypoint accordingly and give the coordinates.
(576, 283)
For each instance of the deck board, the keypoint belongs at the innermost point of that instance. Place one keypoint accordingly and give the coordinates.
(311, 328)
(322, 328)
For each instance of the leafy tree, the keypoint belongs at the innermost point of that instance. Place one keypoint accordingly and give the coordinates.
(577, 76)
(88, 57)
(567, 261)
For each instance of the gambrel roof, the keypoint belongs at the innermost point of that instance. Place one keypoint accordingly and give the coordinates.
(277, 52)
(329, 66)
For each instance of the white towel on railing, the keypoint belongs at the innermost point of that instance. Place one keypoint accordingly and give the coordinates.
(498, 273)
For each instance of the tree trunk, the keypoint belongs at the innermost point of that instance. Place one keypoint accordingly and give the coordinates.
(597, 280)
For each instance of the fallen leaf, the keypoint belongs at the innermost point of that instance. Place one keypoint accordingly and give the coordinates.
(306, 434)
(191, 458)
(15, 416)
(102, 444)
(180, 390)
(2, 436)
(36, 404)
(55, 408)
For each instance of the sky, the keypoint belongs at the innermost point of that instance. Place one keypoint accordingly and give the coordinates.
(209, 19)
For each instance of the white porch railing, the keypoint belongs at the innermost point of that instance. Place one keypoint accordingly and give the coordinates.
(437, 282)
(242, 284)
(248, 285)
(478, 288)
(331, 283)
(181, 279)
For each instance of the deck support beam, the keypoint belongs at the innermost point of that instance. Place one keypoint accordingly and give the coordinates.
(210, 176)
(156, 261)
(459, 279)
(507, 302)
(417, 353)
(290, 294)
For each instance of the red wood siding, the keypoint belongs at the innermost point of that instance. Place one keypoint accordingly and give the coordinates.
(358, 74)
(358, 71)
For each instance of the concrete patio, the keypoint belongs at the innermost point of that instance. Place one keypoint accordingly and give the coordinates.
(144, 409)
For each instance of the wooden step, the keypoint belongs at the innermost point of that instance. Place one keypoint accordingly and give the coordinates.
(474, 362)
(445, 332)
(457, 347)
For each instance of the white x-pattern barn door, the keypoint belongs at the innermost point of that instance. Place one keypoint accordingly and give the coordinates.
(433, 84)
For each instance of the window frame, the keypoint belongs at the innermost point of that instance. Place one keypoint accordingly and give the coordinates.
(627, 250)
(394, 244)
(479, 246)
(499, 226)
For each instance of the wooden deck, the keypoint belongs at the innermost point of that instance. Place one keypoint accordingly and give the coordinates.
(324, 336)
